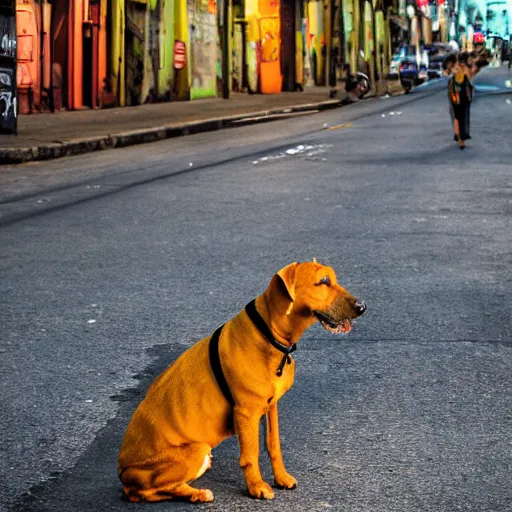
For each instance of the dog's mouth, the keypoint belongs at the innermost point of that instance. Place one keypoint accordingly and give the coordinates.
(341, 327)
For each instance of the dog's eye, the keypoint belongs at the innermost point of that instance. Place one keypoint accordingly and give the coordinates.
(325, 280)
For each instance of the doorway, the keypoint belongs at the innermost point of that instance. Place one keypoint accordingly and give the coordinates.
(60, 44)
(134, 52)
(288, 49)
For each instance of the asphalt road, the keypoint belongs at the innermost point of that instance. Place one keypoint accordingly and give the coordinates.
(113, 263)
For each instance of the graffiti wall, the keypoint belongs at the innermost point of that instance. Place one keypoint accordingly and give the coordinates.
(315, 40)
(253, 45)
(158, 60)
(237, 51)
(8, 107)
(263, 49)
(270, 40)
(203, 48)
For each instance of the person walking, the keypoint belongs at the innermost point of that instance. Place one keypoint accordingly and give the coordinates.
(460, 94)
(448, 64)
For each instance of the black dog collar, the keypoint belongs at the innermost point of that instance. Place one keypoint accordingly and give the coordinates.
(256, 319)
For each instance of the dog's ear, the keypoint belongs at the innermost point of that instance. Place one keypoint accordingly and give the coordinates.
(286, 276)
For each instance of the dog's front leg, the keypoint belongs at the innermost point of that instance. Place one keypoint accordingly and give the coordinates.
(247, 430)
(281, 476)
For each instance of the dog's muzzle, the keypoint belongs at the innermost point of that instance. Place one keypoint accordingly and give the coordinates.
(343, 323)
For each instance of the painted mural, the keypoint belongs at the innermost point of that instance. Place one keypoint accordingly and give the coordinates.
(315, 40)
(269, 29)
(253, 46)
(306, 54)
(8, 107)
(263, 46)
(299, 59)
(237, 54)
(270, 46)
(159, 49)
(203, 48)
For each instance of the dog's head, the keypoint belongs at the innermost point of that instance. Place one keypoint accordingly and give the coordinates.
(312, 293)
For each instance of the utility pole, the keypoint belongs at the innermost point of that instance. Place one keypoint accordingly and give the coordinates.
(329, 57)
(226, 38)
(374, 47)
(343, 42)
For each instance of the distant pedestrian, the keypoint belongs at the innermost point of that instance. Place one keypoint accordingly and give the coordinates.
(460, 94)
(448, 64)
(472, 64)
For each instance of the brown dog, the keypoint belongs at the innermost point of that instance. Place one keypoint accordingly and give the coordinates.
(223, 384)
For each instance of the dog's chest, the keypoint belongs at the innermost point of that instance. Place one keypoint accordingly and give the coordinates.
(283, 383)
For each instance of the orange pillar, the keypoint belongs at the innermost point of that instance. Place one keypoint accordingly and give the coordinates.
(71, 104)
(75, 54)
(271, 80)
(47, 67)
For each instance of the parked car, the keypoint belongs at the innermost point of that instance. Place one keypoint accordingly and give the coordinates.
(435, 67)
(411, 69)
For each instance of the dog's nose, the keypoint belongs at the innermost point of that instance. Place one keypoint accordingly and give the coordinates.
(360, 307)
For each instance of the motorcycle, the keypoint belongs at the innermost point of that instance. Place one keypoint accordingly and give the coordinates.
(357, 86)
(363, 84)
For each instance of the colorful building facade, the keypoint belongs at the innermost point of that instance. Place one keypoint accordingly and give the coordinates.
(61, 51)
(89, 54)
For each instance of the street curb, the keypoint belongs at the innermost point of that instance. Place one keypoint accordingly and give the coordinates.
(132, 137)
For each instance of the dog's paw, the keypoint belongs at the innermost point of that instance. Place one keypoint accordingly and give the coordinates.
(201, 496)
(285, 481)
(261, 491)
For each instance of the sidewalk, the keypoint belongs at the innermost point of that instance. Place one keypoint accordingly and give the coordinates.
(45, 136)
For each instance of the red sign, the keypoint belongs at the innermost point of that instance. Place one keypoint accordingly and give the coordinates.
(180, 55)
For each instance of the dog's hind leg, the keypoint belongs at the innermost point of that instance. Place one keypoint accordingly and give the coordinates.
(183, 491)
(168, 480)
